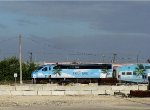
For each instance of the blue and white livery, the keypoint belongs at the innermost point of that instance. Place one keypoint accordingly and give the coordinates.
(137, 73)
(73, 71)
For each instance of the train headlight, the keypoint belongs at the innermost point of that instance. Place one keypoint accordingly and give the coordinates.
(34, 75)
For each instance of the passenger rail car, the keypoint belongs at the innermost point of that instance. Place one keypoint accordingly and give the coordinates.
(135, 73)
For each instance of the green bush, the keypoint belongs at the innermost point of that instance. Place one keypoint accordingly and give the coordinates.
(9, 66)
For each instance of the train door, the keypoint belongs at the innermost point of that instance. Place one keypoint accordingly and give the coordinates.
(114, 69)
(114, 74)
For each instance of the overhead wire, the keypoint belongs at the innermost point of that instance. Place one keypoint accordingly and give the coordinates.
(79, 53)
(70, 52)
(6, 40)
(55, 50)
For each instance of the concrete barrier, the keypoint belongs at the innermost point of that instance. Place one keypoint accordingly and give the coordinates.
(6, 87)
(71, 93)
(84, 88)
(17, 93)
(7, 92)
(99, 92)
(44, 93)
(30, 93)
(23, 88)
(111, 92)
(103, 87)
(48, 89)
(58, 92)
(142, 87)
(36, 87)
(125, 92)
(125, 87)
(84, 92)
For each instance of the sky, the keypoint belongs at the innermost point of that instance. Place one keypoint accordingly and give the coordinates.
(86, 31)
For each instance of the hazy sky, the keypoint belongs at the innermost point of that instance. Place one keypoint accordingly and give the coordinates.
(67, 31)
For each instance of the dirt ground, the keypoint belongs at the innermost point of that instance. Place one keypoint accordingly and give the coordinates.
(73, 103)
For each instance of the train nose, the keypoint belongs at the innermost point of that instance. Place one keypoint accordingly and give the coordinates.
(34, 75)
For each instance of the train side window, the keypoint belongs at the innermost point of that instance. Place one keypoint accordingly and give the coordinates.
(147, 67)
(44, 69)
(77, 67)
(144, 76)
(134, 73)
(129, 73)
(123, 73)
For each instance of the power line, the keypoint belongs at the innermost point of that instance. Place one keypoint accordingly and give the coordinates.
(44, 43)
(8, 39)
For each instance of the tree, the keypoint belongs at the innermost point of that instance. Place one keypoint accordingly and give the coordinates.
(139, 70)
(27, 69)
(9, 66)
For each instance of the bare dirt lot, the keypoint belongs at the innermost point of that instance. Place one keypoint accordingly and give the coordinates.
(73, 103)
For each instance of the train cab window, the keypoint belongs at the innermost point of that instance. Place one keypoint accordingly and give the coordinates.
(129, 73)
(44, 69)
(39, 68)
(49, 68)
(123, 73)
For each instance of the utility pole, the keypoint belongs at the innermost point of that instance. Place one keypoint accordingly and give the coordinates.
(20, 58)
(30, 57)
(114, 58)
(137, 59)
(103, 56)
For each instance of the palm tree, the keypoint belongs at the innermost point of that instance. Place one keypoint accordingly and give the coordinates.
(105, 71)
(57, 70)
(139, 70)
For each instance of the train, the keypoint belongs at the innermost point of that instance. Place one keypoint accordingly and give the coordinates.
(92, 73)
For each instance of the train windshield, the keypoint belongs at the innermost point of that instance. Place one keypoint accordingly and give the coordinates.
(38, 68)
